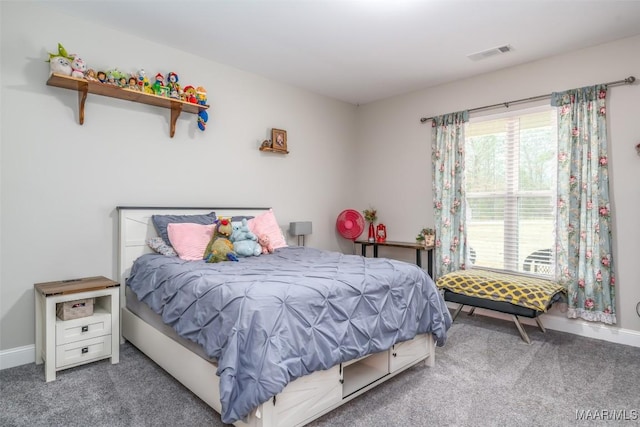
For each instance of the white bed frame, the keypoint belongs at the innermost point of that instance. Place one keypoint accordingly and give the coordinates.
(302, 400)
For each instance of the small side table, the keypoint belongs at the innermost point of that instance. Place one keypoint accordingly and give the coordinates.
(63, 344)
(417, 246)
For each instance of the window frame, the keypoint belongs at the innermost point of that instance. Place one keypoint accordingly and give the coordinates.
(513, 195)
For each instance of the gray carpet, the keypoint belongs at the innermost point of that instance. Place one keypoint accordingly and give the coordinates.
(484, 376)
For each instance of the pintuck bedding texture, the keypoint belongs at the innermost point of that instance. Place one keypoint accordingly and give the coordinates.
(270, 319)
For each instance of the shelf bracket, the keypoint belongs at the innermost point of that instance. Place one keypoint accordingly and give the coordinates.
(176, 109)
(83, 89)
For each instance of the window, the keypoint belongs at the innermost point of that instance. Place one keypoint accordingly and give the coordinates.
(511, 190)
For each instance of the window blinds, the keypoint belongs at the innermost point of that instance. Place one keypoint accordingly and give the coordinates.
(510, 168)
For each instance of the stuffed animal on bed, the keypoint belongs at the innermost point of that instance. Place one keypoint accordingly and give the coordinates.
(220, 247)
(245, 243)
(265, 243)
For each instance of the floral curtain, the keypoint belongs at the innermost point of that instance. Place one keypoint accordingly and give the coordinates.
(583, 243)
(447, 152)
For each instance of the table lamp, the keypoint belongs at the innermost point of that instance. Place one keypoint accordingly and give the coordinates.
(300, 229)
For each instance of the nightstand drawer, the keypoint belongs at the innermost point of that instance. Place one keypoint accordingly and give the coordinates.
(83, 351)
(68, 331)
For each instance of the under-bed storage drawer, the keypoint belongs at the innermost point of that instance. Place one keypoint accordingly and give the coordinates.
(361, 372)
(83, 351)
(68, 331)
(407, 352)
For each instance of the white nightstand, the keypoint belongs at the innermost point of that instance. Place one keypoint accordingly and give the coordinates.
(63, 344)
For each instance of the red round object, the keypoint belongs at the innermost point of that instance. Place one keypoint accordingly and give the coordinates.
(350, 224)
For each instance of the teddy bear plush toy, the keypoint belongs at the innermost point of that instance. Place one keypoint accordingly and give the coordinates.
(245, 243)
(265, 243)
(220, 247)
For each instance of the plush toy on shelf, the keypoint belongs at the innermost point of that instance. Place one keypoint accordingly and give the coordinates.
(245, 243)
(60, 65)
(78, 67)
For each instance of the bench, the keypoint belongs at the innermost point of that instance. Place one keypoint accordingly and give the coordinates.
(510, 293)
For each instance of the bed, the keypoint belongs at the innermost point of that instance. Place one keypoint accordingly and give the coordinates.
(279, 339)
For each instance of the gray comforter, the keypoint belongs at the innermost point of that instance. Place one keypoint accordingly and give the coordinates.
(273, 318)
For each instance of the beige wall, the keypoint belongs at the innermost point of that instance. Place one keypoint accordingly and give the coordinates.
(394, 146)
(61, 181)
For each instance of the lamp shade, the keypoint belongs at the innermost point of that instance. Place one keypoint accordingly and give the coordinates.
(300, 228)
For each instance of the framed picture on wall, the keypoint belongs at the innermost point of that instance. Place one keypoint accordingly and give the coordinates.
(279, 139)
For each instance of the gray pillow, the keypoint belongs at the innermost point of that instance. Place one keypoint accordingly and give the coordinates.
(160, 222)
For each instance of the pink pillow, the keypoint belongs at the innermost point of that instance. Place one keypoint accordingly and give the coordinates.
(266, 224)
(189, 240)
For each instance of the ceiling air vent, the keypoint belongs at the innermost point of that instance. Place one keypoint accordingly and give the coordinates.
(489, 52)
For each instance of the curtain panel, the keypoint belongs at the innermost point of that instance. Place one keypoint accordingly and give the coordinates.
(583, 242)
(447, 155)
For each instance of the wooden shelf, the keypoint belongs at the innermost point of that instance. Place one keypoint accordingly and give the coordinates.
(85, 87)
(273, 150)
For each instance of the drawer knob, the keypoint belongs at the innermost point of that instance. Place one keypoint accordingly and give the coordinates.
(85, 350)
(85, 328)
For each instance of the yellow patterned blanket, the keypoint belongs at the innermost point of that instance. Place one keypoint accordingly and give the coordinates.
(519, 290)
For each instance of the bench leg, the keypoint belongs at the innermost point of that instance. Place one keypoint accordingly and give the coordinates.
(455, 313)
(523, 333)
(540, 325)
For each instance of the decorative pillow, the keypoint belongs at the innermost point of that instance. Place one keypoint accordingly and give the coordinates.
(189, 239)
(158, 245)
(160, 222)
(266, 224)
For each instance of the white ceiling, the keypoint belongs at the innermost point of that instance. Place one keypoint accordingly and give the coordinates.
(360, 51)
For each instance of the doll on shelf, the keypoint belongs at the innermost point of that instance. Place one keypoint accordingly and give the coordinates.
(190, 94)
(91, 75)
(133, 84)
(101, 76)
(201, 95)
(173, 85)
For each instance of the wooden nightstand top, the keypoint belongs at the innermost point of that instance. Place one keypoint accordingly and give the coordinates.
(75, 286)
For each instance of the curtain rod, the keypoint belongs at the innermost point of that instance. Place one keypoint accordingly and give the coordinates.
(626, 81)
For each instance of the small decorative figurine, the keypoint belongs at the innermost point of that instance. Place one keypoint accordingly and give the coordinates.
(133, 83)
(111, 80)
(203, 117)
(201, 95)
(158, 86)
(91, 75)
(173, 86)
(102, 76)
(190, 94)
(143, 81)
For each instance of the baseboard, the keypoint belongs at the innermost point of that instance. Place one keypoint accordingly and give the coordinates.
(579, 327)
(17, 356)
(24, 355)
